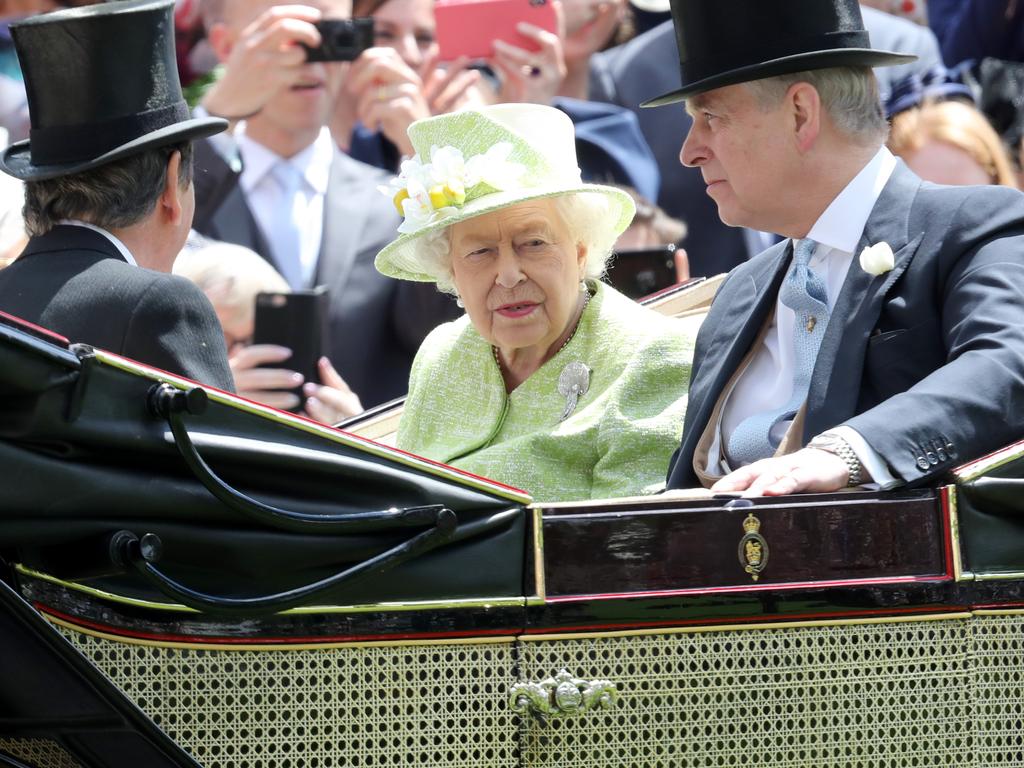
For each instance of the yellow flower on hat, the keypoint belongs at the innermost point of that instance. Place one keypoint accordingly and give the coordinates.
(425, 193)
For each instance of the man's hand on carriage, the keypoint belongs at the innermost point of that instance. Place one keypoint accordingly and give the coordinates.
(810, 470)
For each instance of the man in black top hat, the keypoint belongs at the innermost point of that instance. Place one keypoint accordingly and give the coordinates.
(108, 189)
(883, 342)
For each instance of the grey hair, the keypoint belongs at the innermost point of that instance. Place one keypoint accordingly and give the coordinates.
(849, 95)
(584, 214)
(112, 196)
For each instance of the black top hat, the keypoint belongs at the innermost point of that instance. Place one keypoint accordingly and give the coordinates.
(725, 42)
(102, 84)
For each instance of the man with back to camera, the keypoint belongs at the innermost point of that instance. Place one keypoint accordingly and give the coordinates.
(108, 189)
(883, 342)
(280, 187)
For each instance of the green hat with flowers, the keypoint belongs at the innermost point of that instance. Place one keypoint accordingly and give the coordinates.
(475, 161)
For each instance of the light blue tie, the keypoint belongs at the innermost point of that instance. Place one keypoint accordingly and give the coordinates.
(284, 234)
(805, 293)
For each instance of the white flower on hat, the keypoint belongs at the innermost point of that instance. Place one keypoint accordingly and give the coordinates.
(425, 193)
(493, 168)
(877, 259)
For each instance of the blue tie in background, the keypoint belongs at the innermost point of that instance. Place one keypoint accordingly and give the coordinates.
(804, 292)
(284, 234)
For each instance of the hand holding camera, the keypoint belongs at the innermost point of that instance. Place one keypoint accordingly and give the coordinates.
(266, 57)
(532, 76)
(386, 94)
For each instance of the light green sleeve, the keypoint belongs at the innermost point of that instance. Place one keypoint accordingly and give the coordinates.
(643, 424)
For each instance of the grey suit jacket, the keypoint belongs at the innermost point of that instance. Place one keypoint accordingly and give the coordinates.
(73, 281)
(925, 361)
(648, 66)
(376, 323)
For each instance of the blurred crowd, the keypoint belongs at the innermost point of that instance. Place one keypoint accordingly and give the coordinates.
(287, 200)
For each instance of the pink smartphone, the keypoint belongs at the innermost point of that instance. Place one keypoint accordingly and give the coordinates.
(470, 27)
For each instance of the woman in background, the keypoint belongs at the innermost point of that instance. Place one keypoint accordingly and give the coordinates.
(951, 142)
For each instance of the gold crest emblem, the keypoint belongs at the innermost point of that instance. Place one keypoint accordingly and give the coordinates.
(753, 549)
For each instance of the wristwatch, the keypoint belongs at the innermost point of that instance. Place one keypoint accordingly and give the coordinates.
(833, 443)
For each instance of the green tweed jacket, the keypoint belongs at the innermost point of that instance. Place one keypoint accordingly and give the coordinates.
(617, 442)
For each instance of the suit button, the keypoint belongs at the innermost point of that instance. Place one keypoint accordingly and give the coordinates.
(951, 451)
(942, 454)
(932, 458)
(922, 464)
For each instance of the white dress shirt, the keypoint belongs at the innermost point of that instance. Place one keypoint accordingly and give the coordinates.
(121, 247)
(313, 164)
(767, 383)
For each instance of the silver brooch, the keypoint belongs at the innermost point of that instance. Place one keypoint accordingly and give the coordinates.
(573, 383)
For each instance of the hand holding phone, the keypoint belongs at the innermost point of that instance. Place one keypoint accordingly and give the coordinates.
(469, 28)
(296, 321)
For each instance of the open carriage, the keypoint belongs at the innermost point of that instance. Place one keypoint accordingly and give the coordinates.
(192, 578)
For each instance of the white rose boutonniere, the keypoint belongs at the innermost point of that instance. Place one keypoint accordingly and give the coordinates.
(877, 259)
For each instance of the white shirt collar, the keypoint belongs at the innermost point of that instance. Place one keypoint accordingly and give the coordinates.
(121, 247)
(313, 162)
(843, 222)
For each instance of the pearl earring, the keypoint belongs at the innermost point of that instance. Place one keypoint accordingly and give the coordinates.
(583, 286)
(459, 303)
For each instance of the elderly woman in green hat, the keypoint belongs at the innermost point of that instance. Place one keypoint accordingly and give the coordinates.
(552, 381)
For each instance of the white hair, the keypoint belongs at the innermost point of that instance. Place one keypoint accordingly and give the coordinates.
(849, 95)
(230, 275)
(585, 215)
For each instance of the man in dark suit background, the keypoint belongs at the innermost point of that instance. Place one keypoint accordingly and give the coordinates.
(328, 225)
(884, 341)
(645, 67)
(108, 190)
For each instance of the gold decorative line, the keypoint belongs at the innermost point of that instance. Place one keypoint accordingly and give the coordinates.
(1008, 576)
(999, 612)
(499, 640)
(496, 602)
(538, 552)
(978, 468)
(954, 534)
(343, 438)
(742, 627)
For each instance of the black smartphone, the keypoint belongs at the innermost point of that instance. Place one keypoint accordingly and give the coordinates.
(298, 321)
(642, 271)
(341, 39)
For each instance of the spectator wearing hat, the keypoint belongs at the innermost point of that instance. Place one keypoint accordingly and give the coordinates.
(646, 65)
(942, 136)
(108, 189)
(883, 341)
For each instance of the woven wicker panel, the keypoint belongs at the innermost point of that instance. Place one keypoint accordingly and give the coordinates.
(427, 705)
(868, 695)
(38, 753)
(999, 690)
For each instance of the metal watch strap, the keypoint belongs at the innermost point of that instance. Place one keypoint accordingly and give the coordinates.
(836, 445)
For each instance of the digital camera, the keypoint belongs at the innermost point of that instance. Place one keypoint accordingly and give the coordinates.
(341, 39)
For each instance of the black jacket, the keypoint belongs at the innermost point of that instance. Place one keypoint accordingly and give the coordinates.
(74, 282)
(925, 361)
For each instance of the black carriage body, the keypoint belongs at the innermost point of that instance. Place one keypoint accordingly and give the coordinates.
(279, 628)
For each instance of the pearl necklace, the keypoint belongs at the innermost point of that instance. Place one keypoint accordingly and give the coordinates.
(586, 300)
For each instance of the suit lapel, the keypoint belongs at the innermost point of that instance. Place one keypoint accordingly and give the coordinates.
(344, 220)
(734, 330)
(832, 398)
